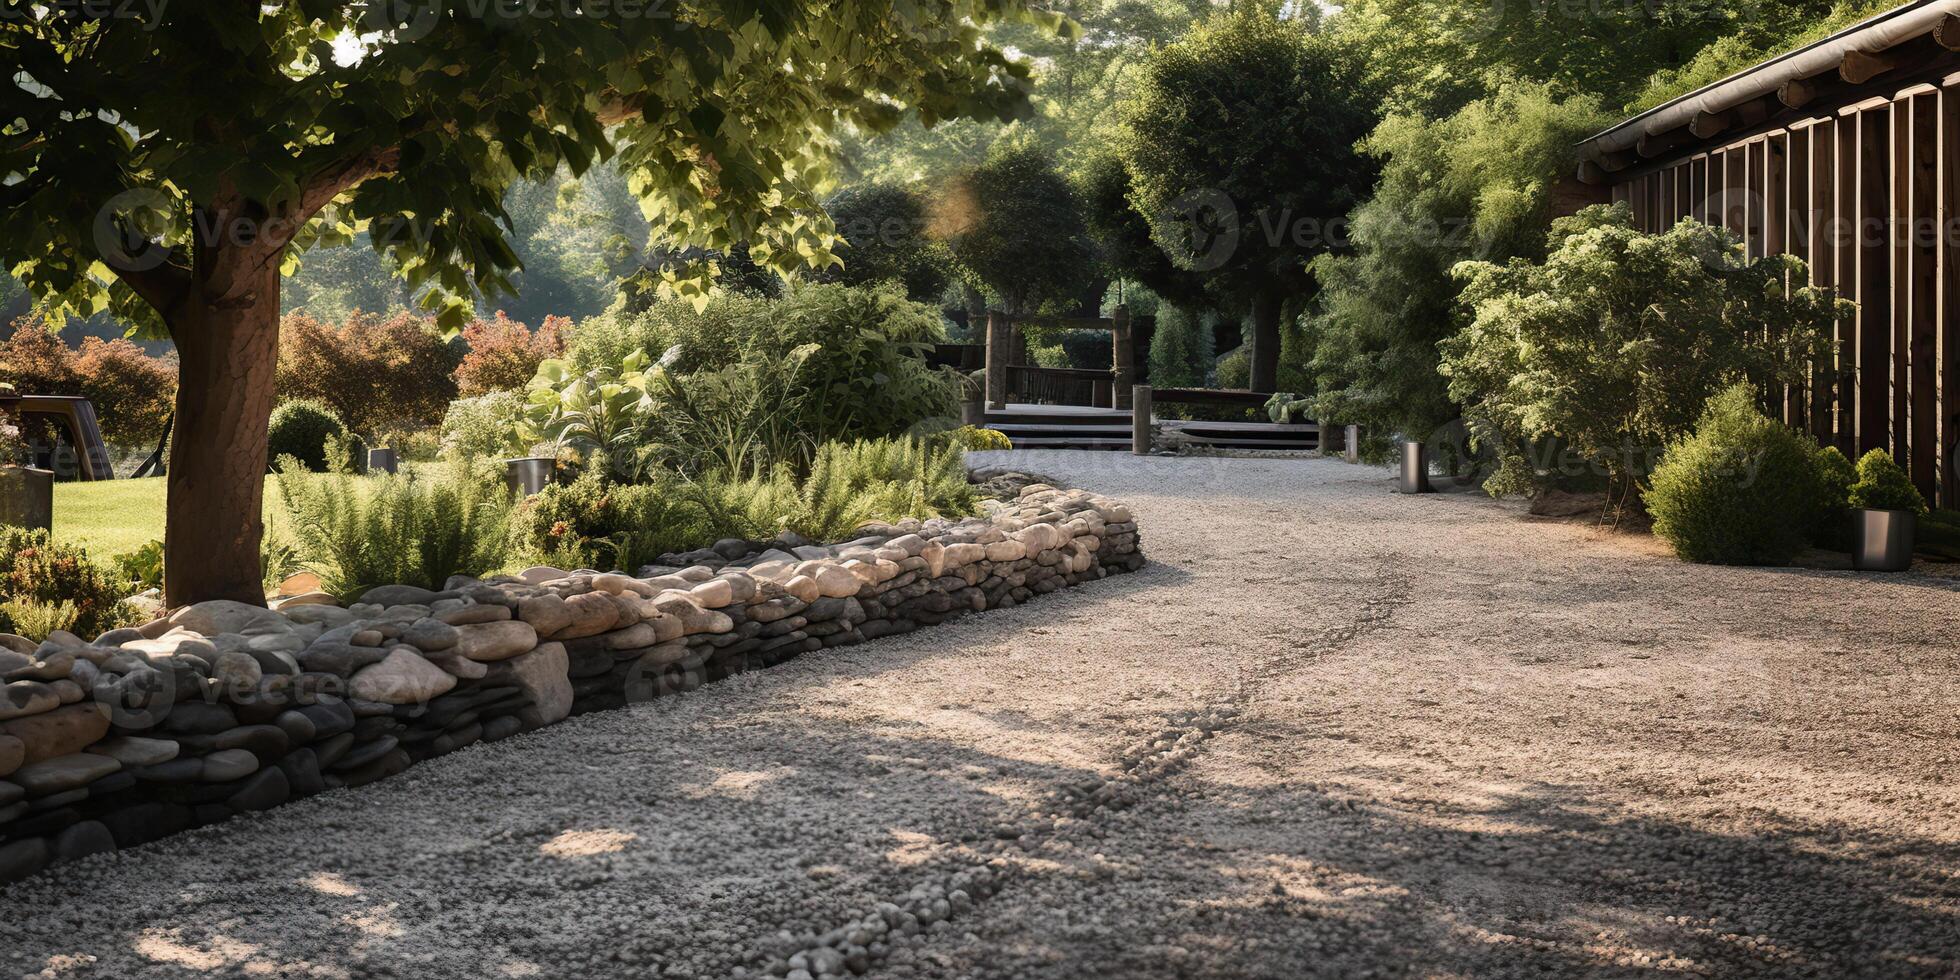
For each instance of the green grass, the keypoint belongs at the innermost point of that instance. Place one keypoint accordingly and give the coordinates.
(115, 517)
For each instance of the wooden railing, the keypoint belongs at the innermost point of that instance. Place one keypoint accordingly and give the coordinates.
(1060, 386)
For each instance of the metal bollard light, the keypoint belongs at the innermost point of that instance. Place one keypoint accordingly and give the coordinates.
(1414, 477)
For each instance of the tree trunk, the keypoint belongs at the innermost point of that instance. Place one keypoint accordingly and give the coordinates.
(227, 334)
(1265, 341)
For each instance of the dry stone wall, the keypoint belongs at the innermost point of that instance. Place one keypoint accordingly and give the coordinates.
(223, 708)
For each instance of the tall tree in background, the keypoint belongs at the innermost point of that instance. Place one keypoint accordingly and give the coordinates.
(1015, 226)
(1476, 184)
(170, 164)
(884, 228)
(1240, 146)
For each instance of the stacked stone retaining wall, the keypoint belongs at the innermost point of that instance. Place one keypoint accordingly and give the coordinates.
(223, 708)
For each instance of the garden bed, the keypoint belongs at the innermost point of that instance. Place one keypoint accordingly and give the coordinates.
(223, 708)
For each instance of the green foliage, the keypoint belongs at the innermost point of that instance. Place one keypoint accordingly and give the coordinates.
(849, 485)
(1835, 475)
(710, 115)
(485, 427)
(36, 570)
(1744, 489)
(602, 415)
(411, 529)
(973, 438)
(1883, 485)
(1610, 344)
(1180, 350)
(748, 382)
(303, 430)
(35, 620)
(1434, 55)
(1014, 224)
(1756, 39)
(884, 228)
(1240, 144)
(590, 523)
(1121, 236)
(1474, 185)
(143, 568)
(1285, 407)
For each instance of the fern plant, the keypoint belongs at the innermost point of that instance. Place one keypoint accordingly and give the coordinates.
(406, 529)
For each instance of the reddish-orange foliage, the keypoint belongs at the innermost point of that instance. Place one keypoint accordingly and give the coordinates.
(377, 373)
(133, 392)
(504, 354)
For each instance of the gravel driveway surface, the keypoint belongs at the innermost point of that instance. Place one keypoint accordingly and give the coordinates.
(1328, 732)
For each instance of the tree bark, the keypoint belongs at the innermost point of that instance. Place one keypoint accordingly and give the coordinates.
(1265, 341)
(226, 329)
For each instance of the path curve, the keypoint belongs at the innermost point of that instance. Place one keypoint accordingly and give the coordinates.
(1329, 731)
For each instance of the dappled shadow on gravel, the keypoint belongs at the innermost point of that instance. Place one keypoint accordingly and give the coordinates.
(1215, 881)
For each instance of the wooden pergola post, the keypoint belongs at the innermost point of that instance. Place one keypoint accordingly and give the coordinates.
(999, 333)
(1124, 344)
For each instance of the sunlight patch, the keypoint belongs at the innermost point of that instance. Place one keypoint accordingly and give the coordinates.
(587, 843)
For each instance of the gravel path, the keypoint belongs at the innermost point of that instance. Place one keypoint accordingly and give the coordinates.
(1329, 732)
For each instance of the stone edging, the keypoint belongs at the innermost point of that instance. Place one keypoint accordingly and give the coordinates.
(224, 708)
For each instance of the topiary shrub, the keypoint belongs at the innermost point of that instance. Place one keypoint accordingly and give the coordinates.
(303, 429)
(1835, 475)
(973, 438)
(36, 572)
(1883, 485)
(1741, 490)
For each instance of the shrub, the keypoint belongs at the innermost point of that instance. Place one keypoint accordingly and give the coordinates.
(1883, 485)
(35, 620)
(485, 427)
(1180, 349)
(409, 529)
(1615, 341)
(504, 355)
(303, 430)
(35, 569)
(13, 449)
(143, 568)
(1835, 475)
(132, 392)
(973, 438)
(374, 372)
(589, 523)
(885, 240)
(849, 485)
(823, 363)
(1742, 490)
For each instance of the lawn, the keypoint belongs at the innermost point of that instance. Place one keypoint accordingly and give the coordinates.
(113, 517)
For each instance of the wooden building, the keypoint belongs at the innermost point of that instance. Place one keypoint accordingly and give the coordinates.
(1846, 154)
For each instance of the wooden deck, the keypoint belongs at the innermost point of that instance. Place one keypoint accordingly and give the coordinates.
(1078, 427)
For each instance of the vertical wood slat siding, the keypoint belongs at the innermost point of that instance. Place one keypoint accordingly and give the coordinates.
(1922, 282)
(1874, 206)
(1948, 294)
(1866, 197)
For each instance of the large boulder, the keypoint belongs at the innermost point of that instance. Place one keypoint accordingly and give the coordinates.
(496, 641)
(227, 616)
(403, 678)
(63, 731)
(544, 675)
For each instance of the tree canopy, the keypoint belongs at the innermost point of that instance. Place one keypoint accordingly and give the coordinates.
(1240, 143)
(168, 162)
